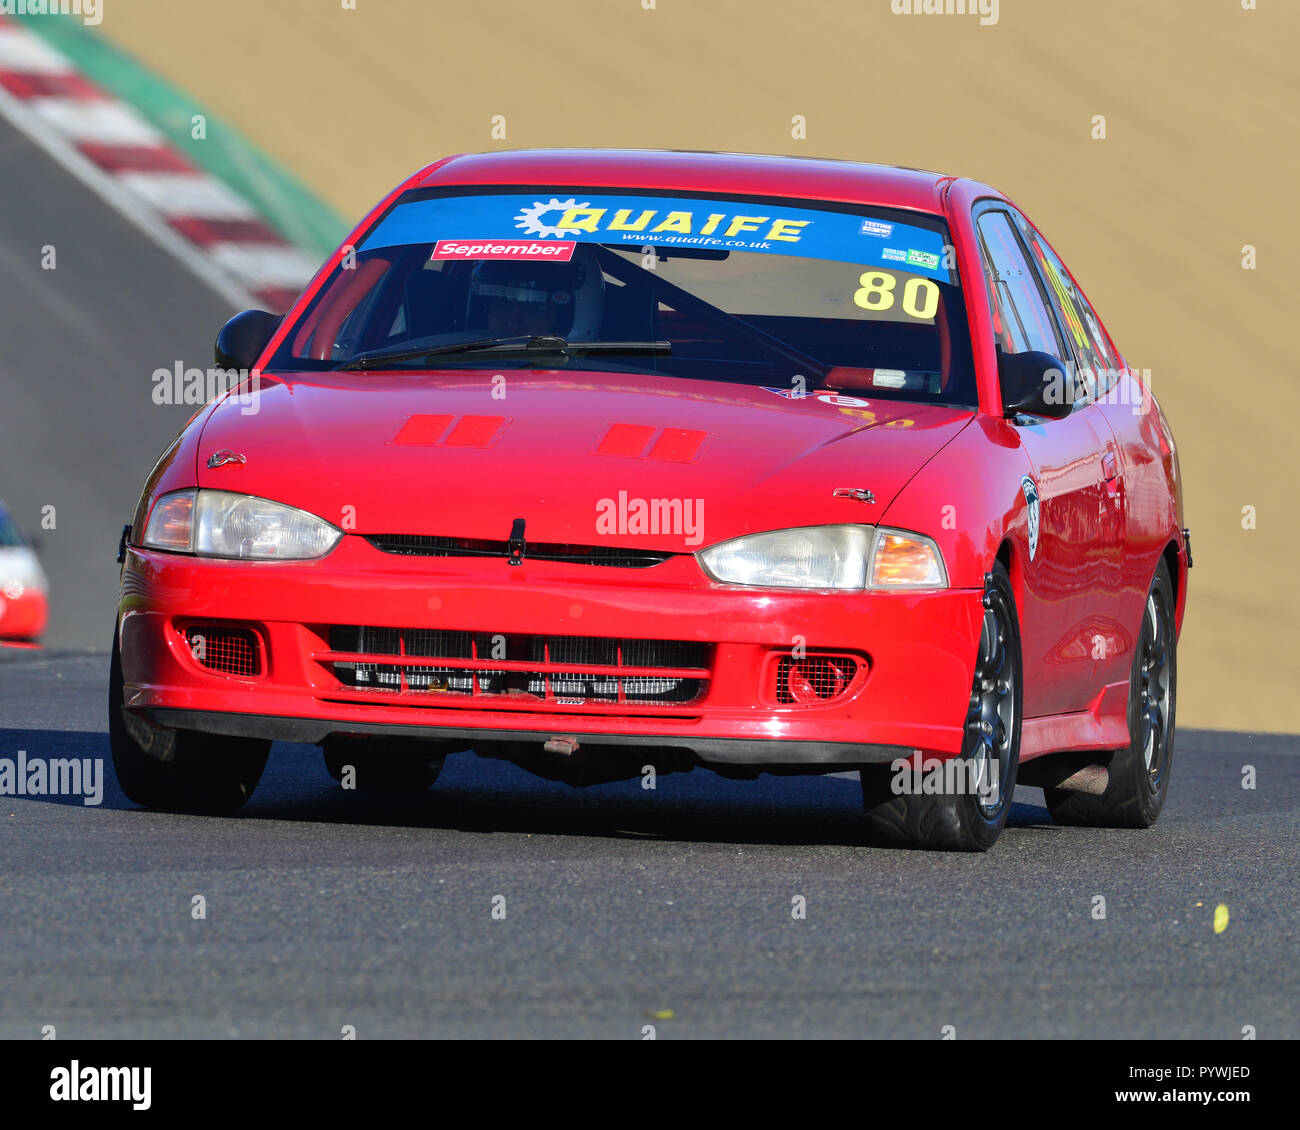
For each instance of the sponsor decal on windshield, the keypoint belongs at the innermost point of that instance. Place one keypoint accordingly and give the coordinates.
(493, 249)
(515, 220)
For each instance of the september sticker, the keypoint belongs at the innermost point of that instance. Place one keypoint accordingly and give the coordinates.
(499, 249)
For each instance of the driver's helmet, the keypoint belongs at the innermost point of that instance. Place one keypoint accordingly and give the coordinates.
(510, 297)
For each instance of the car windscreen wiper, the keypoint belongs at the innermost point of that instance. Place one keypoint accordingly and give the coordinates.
(545, 343)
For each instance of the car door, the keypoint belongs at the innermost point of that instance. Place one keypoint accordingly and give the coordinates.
(1118, 427)
(1068, 565)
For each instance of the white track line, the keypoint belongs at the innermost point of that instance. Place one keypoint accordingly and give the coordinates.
(272, 264)
(111, 123)
(188, 194)
(20, 50)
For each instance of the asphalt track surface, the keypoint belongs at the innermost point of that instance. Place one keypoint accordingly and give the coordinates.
(327, 908)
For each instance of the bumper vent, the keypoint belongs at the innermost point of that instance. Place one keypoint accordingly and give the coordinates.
(417, 545)
(559, 670)
(232, 651)
(814, 678)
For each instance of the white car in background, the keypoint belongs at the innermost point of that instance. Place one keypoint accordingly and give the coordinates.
(24, 603)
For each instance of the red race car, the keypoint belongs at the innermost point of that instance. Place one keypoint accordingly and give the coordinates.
(618, 463)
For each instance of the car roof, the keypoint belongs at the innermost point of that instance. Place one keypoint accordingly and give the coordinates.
(751, 174)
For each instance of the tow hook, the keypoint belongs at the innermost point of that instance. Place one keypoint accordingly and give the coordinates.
(516, 545)
(566, 746)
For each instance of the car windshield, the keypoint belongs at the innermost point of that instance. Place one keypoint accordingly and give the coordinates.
(10, 535)
(789, 295)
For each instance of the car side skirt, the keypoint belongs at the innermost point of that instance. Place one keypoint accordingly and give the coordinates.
(1103, 726)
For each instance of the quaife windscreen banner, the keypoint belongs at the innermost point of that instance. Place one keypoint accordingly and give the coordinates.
(510, 221)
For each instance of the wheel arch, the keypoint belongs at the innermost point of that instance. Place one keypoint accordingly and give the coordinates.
(1011, 562)
(1175, 562)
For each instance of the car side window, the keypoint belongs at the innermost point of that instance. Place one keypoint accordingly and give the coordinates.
(1091, 345)
(1021, 320)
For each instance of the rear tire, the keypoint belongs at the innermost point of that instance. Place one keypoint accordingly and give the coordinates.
(179, 770)
(972, 818)
(1138, 775)
(393, 765)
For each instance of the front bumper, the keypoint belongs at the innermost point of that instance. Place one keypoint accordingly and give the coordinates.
(911, 692)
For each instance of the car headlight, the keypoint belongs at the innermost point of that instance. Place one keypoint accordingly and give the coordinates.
(828, 557)
(217, 523)
(812, 557)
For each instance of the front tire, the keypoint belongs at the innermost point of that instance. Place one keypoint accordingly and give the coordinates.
(1138, 775)
(972, 817)
(179, 770)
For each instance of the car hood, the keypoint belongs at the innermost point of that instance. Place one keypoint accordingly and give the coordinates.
(463, 453)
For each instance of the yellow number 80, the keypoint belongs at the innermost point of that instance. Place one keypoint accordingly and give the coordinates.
(920, 296)
(877, 291)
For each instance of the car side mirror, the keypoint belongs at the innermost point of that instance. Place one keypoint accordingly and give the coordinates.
(1035, 384)
(241, 340)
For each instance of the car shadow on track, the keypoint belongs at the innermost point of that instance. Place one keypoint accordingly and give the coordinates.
(479, 794)
(476, 794)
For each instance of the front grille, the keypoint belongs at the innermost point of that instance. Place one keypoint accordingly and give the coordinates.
(818, 678)
(565, 670)
(232, 651)
(418, 545)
